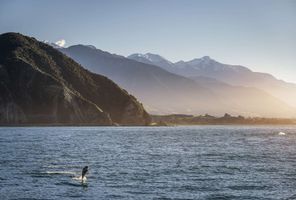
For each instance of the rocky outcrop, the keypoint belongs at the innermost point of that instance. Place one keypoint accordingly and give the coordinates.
(40, 85)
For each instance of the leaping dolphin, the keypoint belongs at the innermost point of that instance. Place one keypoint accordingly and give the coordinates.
(84, 171)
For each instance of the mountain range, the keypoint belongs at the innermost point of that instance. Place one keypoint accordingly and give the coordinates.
(231, 74)
(196, 87)
(40, 85)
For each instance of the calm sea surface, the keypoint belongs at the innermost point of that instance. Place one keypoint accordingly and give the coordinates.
(189, 162)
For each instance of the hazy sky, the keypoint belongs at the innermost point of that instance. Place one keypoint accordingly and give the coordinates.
(259, 34)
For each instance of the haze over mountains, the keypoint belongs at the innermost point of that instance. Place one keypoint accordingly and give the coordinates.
(158, 89)
(232, 74)
(196, 87)
(40, 85)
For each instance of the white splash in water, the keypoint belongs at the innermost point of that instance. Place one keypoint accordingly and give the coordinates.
(282, 133)
(80, 178)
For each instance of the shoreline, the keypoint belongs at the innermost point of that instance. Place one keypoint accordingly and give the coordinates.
(169, 125)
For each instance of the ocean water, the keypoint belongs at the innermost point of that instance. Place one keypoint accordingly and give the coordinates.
(186, 162)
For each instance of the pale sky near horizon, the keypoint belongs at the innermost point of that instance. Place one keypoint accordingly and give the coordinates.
(258, 34)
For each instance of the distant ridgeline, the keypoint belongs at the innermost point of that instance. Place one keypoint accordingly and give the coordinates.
(208, 119)
(194, 87)
(40, 85)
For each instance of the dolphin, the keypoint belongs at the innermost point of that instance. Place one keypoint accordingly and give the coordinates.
(84, 171)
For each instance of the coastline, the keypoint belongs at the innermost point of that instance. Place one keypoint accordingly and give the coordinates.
(167, 125)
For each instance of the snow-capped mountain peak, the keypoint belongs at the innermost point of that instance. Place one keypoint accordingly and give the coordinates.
(149, 56)
(152, 59)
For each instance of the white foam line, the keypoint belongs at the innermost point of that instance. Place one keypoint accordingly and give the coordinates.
(60, 172)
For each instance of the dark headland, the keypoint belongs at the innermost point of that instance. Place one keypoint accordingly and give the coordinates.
(40, 85)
